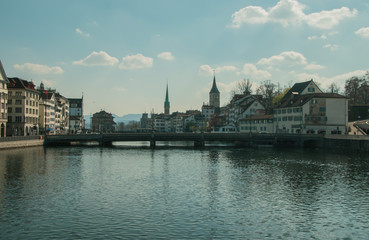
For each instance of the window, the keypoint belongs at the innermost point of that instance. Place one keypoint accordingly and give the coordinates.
(10, 110)
(10, 101)
(18, 110)
(322, 109)
(283, 110)
(289, 110)
(18, 102)
(18, 119)
(311, 89)
(18, 94)
(9, 119)
(26, 110)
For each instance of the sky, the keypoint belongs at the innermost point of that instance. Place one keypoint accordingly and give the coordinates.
(120, 55)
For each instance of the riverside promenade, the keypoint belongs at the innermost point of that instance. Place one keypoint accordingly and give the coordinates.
(21, 142)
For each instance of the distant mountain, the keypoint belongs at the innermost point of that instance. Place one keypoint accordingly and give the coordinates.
(117, 119)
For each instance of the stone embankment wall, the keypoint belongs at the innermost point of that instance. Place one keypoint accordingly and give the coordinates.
(23, 142)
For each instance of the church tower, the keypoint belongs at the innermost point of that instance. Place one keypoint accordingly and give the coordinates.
(214, 95)
(166, 103)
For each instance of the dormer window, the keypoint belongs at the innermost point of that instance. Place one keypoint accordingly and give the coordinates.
(311, 89)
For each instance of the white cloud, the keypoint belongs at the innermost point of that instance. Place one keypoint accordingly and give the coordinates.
(38, 69)
(285, 58)
(332, 47)
(207, 70)
(340, 80)
(313, 66)
(97, 59)
(363, 32)
(136, 62)
(250, 14)
(323, 36)
(290, 12)
(251, 71)
(79, 32)
(287, 12)
(329, 19)
(166, 56)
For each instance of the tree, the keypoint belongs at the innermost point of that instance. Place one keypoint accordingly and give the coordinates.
(268, 91)
(333, 88)
(357, 90)
(278, 97)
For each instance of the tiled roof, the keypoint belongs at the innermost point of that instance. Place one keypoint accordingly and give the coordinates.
(20, 83)
(300, 100)
(3, 74)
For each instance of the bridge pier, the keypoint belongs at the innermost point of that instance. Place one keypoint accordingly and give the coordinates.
(152, 141)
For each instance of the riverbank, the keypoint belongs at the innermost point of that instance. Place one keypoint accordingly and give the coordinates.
(21, 144)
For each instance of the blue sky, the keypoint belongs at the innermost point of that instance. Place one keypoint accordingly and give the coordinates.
(121, 54)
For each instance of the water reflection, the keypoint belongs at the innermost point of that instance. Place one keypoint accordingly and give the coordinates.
(173, 193)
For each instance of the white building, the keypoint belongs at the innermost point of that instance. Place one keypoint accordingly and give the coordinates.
(76, 121)
(257, 124)
(306, 109)
(3, 101)
(243, 106)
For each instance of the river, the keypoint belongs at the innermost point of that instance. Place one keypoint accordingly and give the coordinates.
(134, 192)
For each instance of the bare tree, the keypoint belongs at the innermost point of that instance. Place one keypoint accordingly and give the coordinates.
(333, 88)
(268, 91)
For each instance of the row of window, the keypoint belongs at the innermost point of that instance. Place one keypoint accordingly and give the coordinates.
(289, 118)
(257, 121)
(287, 110)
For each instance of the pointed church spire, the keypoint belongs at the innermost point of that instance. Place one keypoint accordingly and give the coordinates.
(214, 88)
(166, 103)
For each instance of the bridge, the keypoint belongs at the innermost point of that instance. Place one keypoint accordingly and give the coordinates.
(199, 139)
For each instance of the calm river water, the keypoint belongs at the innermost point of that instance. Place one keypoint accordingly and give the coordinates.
(182, 193)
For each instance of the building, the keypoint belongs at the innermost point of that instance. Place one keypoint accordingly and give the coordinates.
(166, 103)
(214, 95)
(76, 121)
(306, 109)
(23, 108)
(3, 100)
(211, 109)
(243, 106)
(61, 113)
(257, 124)
(47, 111)
(103, 122)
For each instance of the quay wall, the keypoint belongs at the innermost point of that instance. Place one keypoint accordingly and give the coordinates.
(21, 142)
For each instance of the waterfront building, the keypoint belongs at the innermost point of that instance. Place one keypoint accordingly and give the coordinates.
(145, 123)
(47, 111)
(306, 109)
(166, 103)
(3, 101)
(243, 106)
(103, 122)
(61, 113)
(161, 122)
(257, 124)
(23, 108)
(76, 121)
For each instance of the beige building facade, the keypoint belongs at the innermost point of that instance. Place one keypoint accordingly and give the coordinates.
(23, 108)
(3, 101)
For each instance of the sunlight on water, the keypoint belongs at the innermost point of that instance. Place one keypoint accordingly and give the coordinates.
(179, 192)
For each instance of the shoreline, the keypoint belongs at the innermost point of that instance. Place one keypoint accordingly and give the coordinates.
(21, 144)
